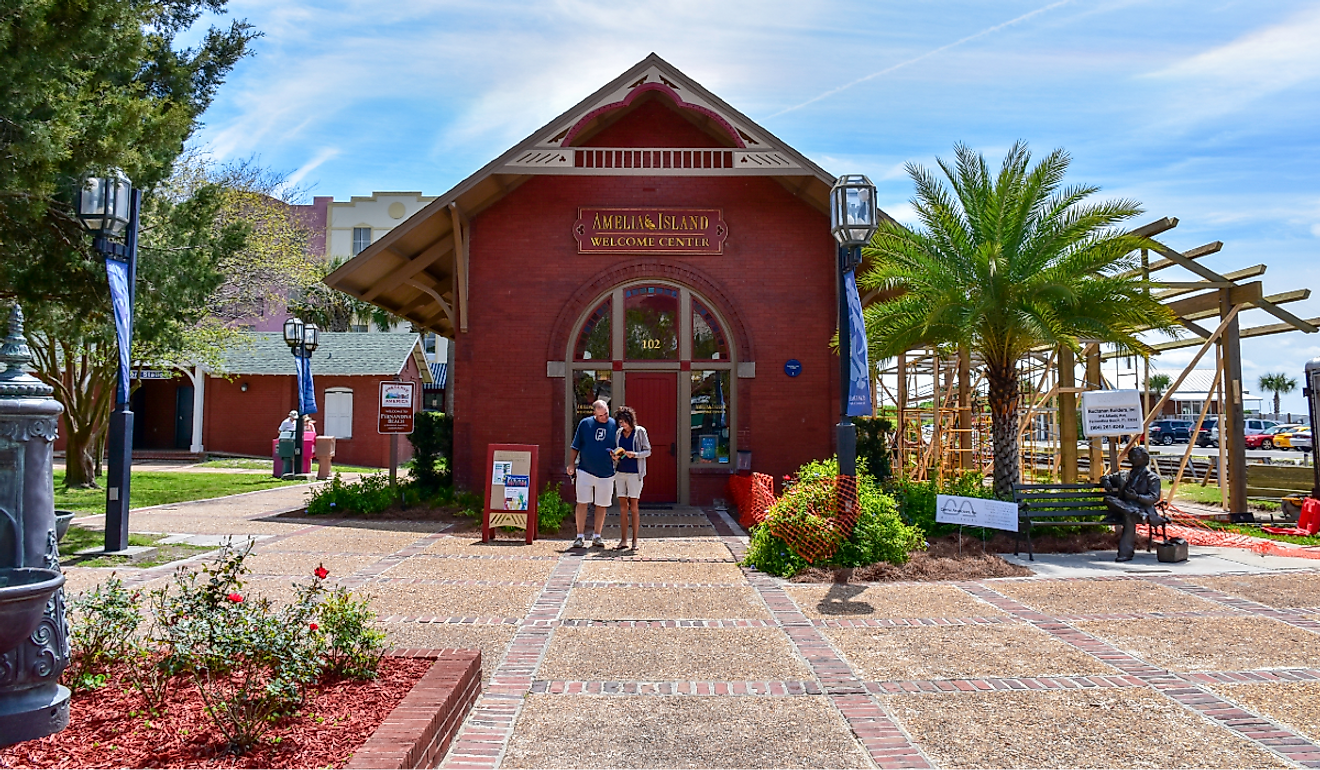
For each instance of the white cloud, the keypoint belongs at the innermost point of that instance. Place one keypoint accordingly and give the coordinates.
(321, 157)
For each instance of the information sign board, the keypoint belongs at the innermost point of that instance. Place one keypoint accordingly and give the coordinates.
(976, 512)
(1112, 412)
(510, 489)
(397, 406)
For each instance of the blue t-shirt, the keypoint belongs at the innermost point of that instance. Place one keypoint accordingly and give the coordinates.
(627, 464)
(593, 441)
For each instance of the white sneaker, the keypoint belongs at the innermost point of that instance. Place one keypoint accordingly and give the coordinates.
(579, 542)
(597, 542)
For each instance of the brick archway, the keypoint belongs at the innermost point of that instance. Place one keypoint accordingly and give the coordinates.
(648, 269)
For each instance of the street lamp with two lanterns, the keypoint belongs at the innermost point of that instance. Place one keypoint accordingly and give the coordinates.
(302, 339)
(853, 221)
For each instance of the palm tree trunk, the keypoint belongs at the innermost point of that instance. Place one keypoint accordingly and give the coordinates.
(1276, 403)
(1004, 395)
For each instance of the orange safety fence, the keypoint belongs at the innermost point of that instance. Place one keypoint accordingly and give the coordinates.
(1195, 532)
(818, 534)
(752, 495)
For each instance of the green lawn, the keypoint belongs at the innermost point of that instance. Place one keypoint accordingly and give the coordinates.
(80, 539)
(158, 487)
(1209, 495)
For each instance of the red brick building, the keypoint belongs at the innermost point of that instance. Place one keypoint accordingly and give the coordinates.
(653, 247)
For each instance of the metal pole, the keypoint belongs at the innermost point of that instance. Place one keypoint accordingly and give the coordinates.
(846, 431)
(1311, 389)
(119, 470)
(299, 350)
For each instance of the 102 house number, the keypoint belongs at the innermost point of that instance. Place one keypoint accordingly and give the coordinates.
(650, 344)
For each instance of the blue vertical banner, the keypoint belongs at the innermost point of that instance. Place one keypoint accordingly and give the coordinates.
(121, 302)
(306, 390)
(859, 390)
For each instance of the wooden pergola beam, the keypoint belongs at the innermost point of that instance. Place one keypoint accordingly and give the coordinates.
(412, 267)
(1202, 305)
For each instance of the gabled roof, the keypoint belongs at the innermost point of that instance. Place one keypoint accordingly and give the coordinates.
(340, 354)
(418, 270)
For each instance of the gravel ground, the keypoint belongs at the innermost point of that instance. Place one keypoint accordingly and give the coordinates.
(660, 572)
(1288, 703)
(492, 640)
(301, 564)
(958, 652)
(652, 547)
(1210, 644)
(1079, 597)
(349, 540)
(664, 604)
(671, 654)
(440, 568)
(79, 579)
(564, 731)
(1280, 589)
(450, 601)
(662, 518)
(851, 600)
(194, 524)
(467, 545)
(1126, 728)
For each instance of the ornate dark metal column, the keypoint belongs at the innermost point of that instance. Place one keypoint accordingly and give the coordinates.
(34, 638)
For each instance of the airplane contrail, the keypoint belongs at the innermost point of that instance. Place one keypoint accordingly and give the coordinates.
(925, 55)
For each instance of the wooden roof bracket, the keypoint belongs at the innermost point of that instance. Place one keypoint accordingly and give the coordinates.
(435, 295)
(460, 265)
(400, 275)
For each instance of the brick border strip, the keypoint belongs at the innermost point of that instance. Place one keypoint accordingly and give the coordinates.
(763, 687)
(1292, 616)
(1263, 732)
(419, 730)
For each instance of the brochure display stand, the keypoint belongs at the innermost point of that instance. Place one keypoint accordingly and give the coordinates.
(510, 489)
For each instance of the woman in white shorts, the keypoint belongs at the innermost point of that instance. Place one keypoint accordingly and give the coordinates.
(633, 449)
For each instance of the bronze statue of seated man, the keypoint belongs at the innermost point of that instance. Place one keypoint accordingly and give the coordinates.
(1131, 499)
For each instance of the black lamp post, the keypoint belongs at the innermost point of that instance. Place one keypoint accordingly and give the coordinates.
(108, 207)
(302, 339)
(852, 222)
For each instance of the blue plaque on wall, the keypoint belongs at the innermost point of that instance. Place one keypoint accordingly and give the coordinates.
(792, 367)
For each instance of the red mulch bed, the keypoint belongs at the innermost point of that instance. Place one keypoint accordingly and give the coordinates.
(108, 727)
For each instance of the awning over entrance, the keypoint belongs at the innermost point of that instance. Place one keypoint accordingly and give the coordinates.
(419, 271)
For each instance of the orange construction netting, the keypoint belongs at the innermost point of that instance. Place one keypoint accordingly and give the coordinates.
(1195, 532)
(816, 534)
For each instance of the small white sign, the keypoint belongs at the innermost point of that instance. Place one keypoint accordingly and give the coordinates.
(976, 512)
(1112, 412)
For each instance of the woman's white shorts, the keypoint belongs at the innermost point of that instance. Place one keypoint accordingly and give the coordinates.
(592, 489)
(628, 485)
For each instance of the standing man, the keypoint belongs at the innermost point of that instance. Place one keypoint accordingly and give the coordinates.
(593, 465)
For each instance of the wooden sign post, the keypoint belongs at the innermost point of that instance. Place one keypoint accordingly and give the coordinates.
(397, 404)
(511, 486)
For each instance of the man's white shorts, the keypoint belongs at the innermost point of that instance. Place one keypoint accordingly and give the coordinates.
(591, 489)
(628, 485)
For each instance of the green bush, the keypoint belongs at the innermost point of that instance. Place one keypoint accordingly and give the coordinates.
(873, 437)
(353, 645)
(369, 494)
(433, 447)
(102, 625)
(879, 534)
(917, 499)
(551, 509)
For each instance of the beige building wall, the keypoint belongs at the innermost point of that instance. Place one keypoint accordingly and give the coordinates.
(380, 211)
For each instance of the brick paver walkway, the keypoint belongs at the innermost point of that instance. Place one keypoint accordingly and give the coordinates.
(674, 656)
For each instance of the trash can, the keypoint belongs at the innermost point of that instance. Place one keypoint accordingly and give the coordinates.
(286, 451)
(325, 452)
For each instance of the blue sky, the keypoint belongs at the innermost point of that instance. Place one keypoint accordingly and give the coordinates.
(1201, 110)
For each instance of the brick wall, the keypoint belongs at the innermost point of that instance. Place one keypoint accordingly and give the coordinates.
(776, 278)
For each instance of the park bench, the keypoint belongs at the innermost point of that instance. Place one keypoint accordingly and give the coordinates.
(1064, 505)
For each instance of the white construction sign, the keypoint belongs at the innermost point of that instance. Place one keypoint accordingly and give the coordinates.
(976, 512)
(1112, 412)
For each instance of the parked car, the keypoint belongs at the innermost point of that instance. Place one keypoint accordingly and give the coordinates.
(1203, 436)
(1265, 440)
(1303, 440)
(1169, 432)
(1250, 427)
(1285, 440)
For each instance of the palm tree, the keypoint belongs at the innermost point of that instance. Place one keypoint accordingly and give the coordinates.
(1276, 384)
(1004, 264)
(333, 310)
(1158, 383)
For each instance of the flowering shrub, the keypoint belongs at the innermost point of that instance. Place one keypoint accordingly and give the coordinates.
(352, 645)
(102, 626)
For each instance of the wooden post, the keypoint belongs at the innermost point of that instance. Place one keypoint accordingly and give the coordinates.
(901, 409)
(1093, 383)
(1067, 416)
(1233, 432)
(394, 459)
(965, 459)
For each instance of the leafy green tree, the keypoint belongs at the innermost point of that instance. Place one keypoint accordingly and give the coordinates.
(334, 311)
(1003, 264)
(89, 86)
(1277, 384)
(1159, 383)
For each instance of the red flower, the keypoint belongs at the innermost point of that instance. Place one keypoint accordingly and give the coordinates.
(235, 598)
(313, 626)
(321, 572)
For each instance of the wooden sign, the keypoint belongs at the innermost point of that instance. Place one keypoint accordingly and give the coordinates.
(650, 231)
(396, 408)
(510, 489)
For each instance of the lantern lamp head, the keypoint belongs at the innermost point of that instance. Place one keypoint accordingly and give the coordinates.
(293, 332)
(103, 204)
(853, 215)
(311, 337)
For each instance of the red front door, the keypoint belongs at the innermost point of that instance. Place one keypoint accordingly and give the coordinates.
(654, 396)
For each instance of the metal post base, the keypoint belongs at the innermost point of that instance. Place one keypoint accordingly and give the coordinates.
(119, 477)
(846, 434)
(36, 713)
